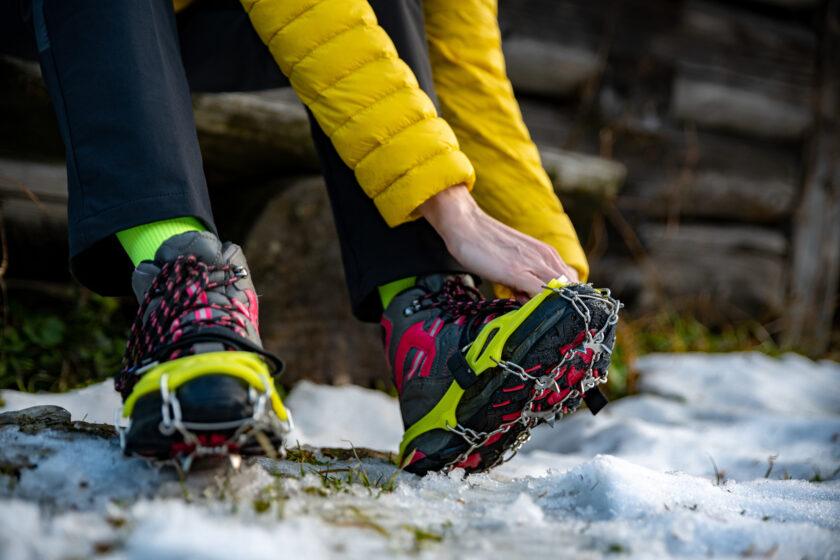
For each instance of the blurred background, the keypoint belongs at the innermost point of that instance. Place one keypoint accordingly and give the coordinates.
(695, 145)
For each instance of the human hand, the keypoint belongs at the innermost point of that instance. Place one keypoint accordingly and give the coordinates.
(489, 248)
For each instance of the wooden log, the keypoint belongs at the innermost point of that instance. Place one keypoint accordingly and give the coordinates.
(742, 71)
(20, 179)
(687, 174)
(33, 200)
(549, 122)
(548, 69)
(255, 134)
(242, 135)
(792, 4)
(28, 125)
(692, 239)
(576, 174)
(816, 261)
(720, 273)
(581, 24)
(734, 108)
(815, 277)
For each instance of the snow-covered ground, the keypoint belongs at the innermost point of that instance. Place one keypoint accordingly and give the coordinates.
(721, 455)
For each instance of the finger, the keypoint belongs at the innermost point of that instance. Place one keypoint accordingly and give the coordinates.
(548, 273)
(521, 297)
(529, 283)
(563, 269)
(552, 265)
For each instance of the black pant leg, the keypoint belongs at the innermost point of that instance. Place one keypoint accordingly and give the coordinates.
(17, 35)
(115, 76)
(121, 95)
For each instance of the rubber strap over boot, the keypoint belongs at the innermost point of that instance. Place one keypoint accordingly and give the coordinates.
(595, 400)
(461, 370)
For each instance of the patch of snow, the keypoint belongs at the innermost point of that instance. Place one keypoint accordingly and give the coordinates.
(176, 530)
(95, 403)
(637, 479)
(327, 416)
(701, 413)
(82, 472)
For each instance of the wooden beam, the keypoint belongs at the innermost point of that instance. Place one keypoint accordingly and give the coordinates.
(815, 274)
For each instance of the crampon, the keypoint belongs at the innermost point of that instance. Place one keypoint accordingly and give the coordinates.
(510, 369)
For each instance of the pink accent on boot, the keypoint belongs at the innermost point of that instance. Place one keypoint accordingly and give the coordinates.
(470, 462)
(493, 439)
(415, 337)
(416, 456)
(254, 308)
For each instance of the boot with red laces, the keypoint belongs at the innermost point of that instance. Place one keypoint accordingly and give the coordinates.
(475, 375)
(196, 380)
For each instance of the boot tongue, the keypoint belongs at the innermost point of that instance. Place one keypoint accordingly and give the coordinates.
(434, 282)
(204, 245)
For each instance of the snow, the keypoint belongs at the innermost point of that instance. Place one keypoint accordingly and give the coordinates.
(348, 415)
(681, 470)
(700, 412)
(95, 403)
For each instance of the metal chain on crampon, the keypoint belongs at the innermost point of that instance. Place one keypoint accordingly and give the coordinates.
(548, 382)
(262, 420)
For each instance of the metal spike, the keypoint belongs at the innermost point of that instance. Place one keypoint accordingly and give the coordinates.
(186, 462)
(235, 461)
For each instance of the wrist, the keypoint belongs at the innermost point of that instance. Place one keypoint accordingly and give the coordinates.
(449, 207)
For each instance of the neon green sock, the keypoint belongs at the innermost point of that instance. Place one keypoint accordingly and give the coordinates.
(142, 242)
(388, 291)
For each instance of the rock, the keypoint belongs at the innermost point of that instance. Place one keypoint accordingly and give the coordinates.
(49, 417)
(305, 313)
(34, 419)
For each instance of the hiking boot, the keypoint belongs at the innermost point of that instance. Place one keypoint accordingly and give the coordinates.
(196, 380)
(474, 376)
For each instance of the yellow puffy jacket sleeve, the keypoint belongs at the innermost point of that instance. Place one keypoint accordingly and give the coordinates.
(476, 99)
(345, 68)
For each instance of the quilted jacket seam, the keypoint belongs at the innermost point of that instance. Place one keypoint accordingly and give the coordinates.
(394, 135)
(324, 42)
(285, 24)
(445, 150)
(320, 93)
(346, 121)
